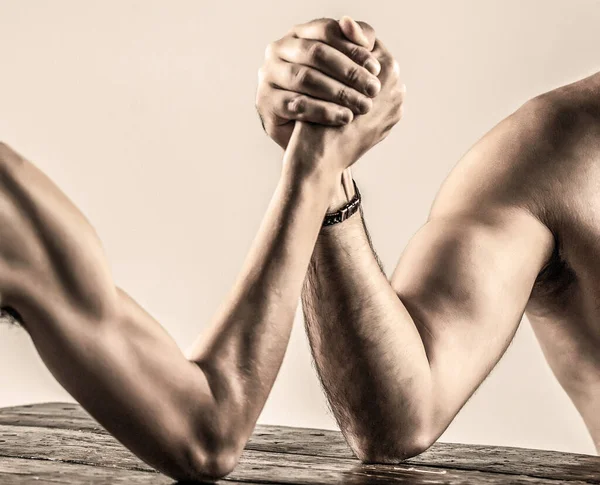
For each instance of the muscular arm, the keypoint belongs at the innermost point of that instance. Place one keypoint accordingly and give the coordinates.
(187, 415)
(398, 359)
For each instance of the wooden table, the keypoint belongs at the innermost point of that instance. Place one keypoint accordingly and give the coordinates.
(61, 443)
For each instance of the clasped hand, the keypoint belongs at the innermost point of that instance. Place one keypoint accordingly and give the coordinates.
(329, 90)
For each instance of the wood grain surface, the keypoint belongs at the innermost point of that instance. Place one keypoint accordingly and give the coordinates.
(61, 443)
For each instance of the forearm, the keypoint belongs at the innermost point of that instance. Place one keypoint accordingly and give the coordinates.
(220, 390)
(368, 352)
(243, 349)
(186, 418)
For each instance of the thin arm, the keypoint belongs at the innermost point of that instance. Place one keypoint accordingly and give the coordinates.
(188, 416)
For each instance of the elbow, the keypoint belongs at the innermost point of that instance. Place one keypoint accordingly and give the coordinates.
(205, 459)
(392, 447)
(200, 464)
(396, 452)
(208, 466)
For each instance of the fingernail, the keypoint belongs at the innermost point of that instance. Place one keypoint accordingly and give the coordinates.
(373, 67)
(372, 87)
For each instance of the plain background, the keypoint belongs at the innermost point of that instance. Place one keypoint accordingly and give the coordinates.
(143, 113)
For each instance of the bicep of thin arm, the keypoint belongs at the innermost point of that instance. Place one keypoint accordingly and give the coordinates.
(110, 354)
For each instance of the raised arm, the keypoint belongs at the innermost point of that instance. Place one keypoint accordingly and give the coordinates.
(189, 415)
(398, 359)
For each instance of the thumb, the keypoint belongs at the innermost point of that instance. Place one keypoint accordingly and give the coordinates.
(354, 32)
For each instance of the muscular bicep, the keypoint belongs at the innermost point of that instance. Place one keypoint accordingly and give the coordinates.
(465, 280)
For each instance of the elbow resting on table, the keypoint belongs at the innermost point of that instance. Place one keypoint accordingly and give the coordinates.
(209, 466)
(382, 451)
(205, 453)
(199, 463)
(392, 441)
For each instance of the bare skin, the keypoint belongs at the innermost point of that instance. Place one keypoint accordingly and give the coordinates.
(514, 229)
(188, 415)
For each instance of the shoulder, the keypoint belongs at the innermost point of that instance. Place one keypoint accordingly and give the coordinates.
(50, 256)
(566, 117)
(518, 162)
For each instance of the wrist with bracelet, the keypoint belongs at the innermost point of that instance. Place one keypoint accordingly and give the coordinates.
(347, 210)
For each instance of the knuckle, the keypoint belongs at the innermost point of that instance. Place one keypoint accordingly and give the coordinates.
(362, 56)
(300, 75)
(316, 51)
(304, 45)
(357, 54)
(352, 74)
(329, 24)
(331, 28)
(353, 51)
(342, 96)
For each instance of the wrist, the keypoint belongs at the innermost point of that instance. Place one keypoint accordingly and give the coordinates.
(315, 148)
(345, 212)
(309, 157)
(342, 193)
(301, 175)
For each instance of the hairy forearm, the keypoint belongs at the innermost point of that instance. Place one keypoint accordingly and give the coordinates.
(368, 352)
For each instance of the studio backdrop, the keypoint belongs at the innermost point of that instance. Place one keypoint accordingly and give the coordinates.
(143, 113)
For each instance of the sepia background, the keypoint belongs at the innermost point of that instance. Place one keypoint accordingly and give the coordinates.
(143, 113)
